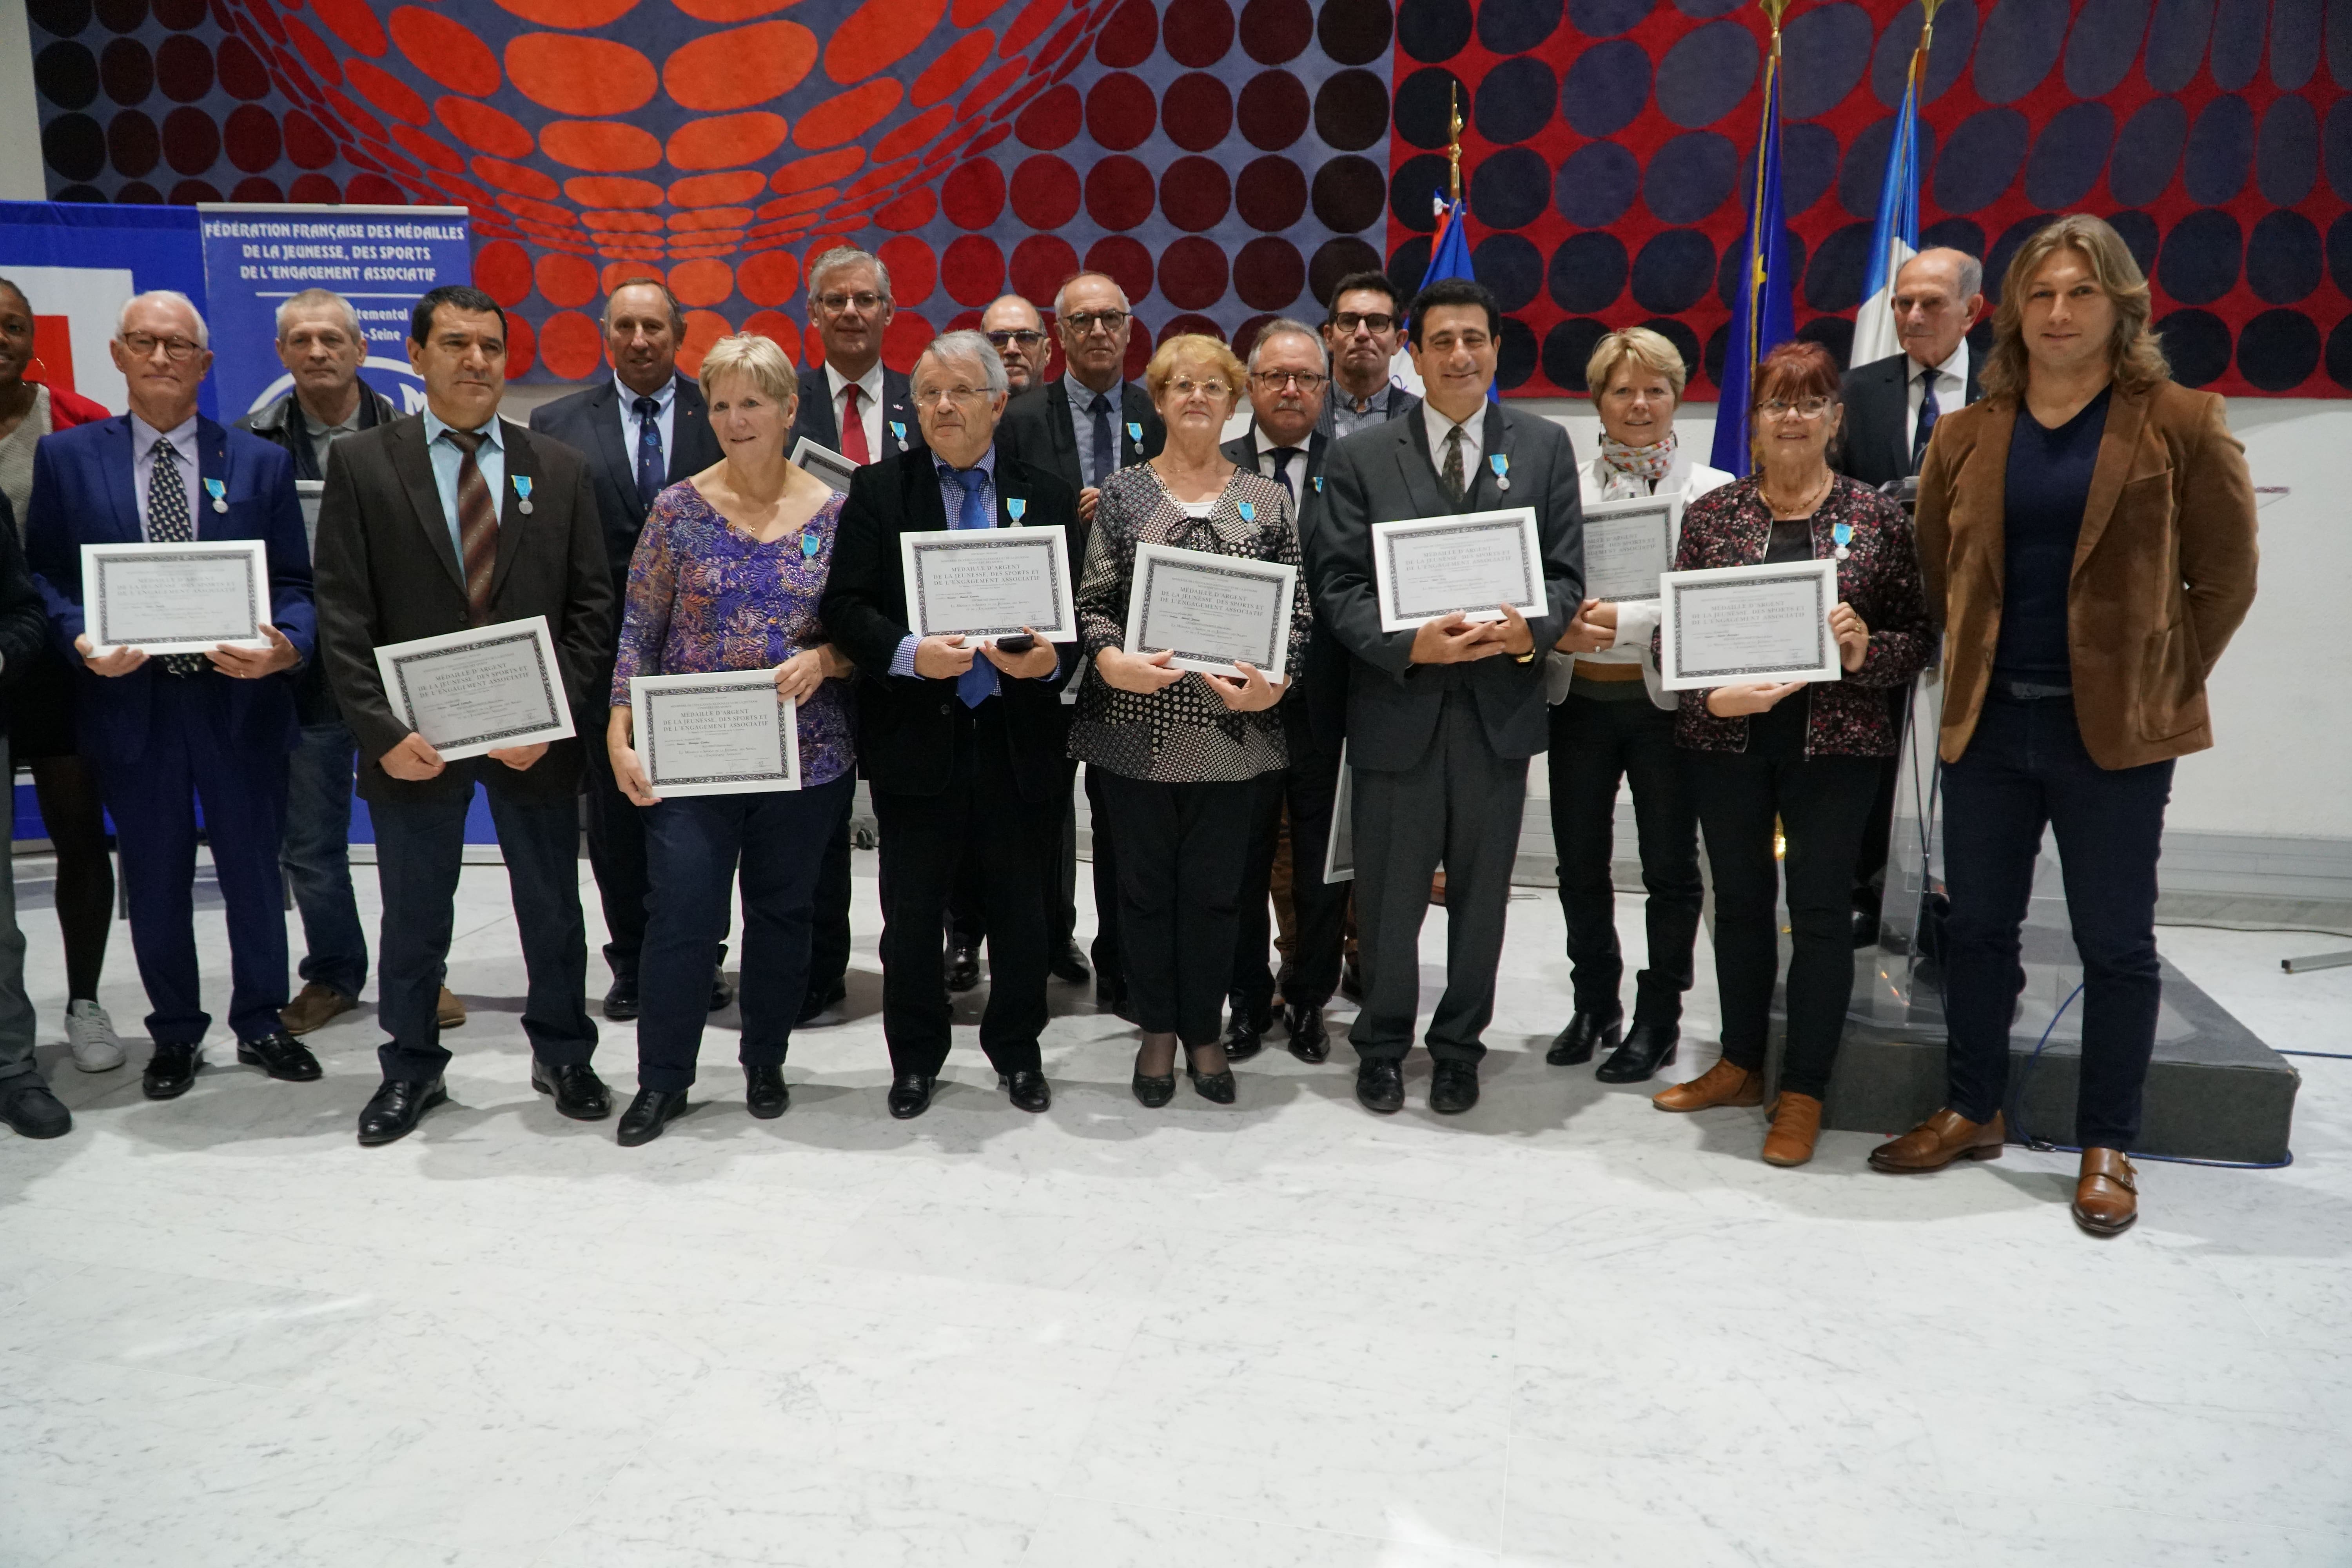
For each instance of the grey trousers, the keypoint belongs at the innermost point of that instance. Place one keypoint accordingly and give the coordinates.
(1459, 807)
(15, 1008)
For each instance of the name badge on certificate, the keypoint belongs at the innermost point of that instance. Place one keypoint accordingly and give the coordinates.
(1211, 611)
(475, 691)
(823, 463)
(727, 733)
(1628, 545)
(1738, 625)
(989, 582)
(176, 598)
(1435, 566)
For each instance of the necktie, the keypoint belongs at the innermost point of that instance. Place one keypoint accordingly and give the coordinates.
(978, 684)
(1282, 458)
(1452, 474)
(1928, 414)
(1105, 463)
(168, 523)
(853, 428)
(478, 524)
(651, 469)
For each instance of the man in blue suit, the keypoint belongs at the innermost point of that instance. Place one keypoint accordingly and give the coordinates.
(166, 732)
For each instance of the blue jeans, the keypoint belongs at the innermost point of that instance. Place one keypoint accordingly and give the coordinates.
(315, 854)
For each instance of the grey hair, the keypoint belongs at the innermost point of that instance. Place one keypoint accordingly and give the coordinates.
(1968, 270)
(1285, 325)
(973, 346)
(204, 332)
(841, 256)
(1106, 277)
(677, 310)
(311, 296)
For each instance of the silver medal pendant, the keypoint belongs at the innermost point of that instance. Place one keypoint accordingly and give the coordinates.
(523, 506)
(1502, 484)
(1841, 552)
(219, 505)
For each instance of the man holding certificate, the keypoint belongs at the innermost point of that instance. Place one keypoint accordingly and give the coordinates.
(1442, 717)
(448, 523)
(960, 737)
(119, 510)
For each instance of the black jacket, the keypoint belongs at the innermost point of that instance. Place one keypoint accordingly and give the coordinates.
(23, 619)
(280, 423)
(1878, 426)
(1321, 687)
(814, 418)
(589, 422)
(1036, 430)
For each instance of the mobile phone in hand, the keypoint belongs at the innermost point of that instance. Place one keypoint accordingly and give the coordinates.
(1017, 643)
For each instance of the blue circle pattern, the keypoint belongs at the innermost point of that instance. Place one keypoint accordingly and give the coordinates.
(1605, 89)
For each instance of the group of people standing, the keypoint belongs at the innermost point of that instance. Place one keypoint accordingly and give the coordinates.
(2085, 534)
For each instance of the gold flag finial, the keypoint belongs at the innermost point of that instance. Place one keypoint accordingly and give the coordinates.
(1773, 11)
(1454, 146)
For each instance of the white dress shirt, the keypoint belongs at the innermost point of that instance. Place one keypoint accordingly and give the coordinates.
(182, 437)
(1951, 389)
(1473, 432)
(869, 407)
(665, 419)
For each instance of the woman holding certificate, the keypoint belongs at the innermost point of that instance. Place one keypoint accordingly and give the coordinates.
(1805, 753)
(727, 576)
(1181, 751)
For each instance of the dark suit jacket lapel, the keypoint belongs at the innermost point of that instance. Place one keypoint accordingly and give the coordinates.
(1059, 432)
(1496, 439)
(414, 464)
(689, 421)
(2118, 450)
(121, 491)
(816, 409)
(1136, 415)
(1412, 438)
(212, 463)
(514, 528)
(612, 449)
(898, 408)
(1893, 392)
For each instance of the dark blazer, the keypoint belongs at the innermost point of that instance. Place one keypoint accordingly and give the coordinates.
(1383, 475)
(1876, 448)
(282, 425)
(83, 494)
(1036, 430)
(1321, 687)
(589, 422)
(388, 572)
(814, 418)
(24, 621)
(905, 736)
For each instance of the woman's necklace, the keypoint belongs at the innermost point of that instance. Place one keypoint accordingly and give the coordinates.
(1805, 508)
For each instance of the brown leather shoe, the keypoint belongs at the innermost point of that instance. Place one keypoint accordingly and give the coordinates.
(313, 1007)
(2107, 1198)
(1796, 1123)
(1722, 1084)
(1937, 1142)
(449, 1012)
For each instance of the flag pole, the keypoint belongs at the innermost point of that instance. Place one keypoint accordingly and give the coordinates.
(1454, 146)
(1773, 11)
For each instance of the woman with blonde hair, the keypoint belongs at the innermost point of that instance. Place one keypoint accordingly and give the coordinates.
(2087, 533)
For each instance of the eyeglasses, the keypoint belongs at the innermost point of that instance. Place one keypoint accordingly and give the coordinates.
(835, 304)
(1185, 386)
(1272, 380)
(1349, 321)
(143, 345)
(1803, 408)
(957, 394)
(1080, 323)
(1026, 338)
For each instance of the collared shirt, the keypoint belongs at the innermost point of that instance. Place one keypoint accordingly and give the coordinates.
(1082, 424)
(144, 439)
(1951, 387)
(1473, 433)
(902, 662)
(1297, 477)
(869, 405)
(325, 436)
(1345, 415)
(490, 458)
(665, 419)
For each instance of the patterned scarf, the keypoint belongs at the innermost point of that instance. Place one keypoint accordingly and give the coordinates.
(1651, 462)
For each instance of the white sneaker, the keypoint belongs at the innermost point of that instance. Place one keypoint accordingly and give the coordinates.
(91, 1032)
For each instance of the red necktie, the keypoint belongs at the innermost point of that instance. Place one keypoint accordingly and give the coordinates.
(478, 524)
(853, 427)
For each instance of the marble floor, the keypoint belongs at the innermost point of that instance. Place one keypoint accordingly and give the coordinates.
(1561, 1329)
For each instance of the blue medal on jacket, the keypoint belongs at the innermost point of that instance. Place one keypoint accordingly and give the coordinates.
(1841, 535)
(219, 492)
(1134, 434)
(523, 492)
(899, 433)
(1015, 508)
(1318, 484)
(809, 545)
(1249, 512)
(1502, 466)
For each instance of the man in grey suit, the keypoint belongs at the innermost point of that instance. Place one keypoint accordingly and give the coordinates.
(1441, 720)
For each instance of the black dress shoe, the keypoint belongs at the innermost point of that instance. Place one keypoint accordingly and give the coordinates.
(1453, 1088)
(721, 993)
(1216, 1086)
(1069, 966)
(819, 999)
(280, 1055)
(1380, 1086)
(393, 1110)
(1027, 1090)
(764, 1094)
(964, 968)
(1245, 1036)
(653, 1110)
(1152, 1093)
(910, 1094)
(1309, 1040)
(579, 1092)
(170, 1071)
(1647, 1047)
(621, 1001)
(1573, 1046)
(26, 1105)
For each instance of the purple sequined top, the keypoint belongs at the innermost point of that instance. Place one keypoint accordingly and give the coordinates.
(703, 597)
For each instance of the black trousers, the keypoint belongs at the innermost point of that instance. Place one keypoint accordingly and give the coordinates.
(1307, 788)
(617, 853)
(927, 841)
(1181, 850)
(694, 844)
(1594, 743)
(1822, 804)
(1105, 951)
(967, 921)
(2025, 767)
(829, 934)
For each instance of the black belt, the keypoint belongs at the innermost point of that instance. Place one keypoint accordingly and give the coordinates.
(2028, 690)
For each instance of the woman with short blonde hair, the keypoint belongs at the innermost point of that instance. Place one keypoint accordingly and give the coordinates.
(759, 361)
(1651, 350)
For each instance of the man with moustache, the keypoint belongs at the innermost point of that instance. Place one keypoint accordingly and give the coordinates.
(1361, 334)
(1017, 333)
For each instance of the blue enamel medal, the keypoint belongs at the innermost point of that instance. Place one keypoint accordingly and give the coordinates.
(1318, 484)
(1502, 466)
(1135, 433)
(523, 492)
(1842, 536)
(219, 492)
(1016, 507)
(1249, 512)
(899, 433)
(809, 545)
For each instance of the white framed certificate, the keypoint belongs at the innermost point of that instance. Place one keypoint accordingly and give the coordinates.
(726, 732)
(481, 690)
(1629, 545)
(1736, 625)
(989, 582)
(1432, 566)
(1339, 848)
(1209, 610)
(176, 598)
(823, 463)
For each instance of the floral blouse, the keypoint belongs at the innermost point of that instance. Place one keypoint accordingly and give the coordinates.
(703, 597)
(1184, 733)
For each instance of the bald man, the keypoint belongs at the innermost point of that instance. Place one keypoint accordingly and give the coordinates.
(1017, 333)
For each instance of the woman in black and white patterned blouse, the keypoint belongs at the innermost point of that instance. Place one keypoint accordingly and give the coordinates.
(1182, 754)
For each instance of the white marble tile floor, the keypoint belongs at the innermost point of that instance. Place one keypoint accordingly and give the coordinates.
(1564, 1330)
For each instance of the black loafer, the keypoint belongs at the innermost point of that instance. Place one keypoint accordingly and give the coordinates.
(1380, 1087)
(1574, 1045)
(1027, 1090)
(26, 1105)
(721, 993)
(653, 1110)
(1152, 1093)
(621, 1001)
(392, 1112)
(910, 1095)
(579, 1093)
(1217, 1088)
(1310, 1041)
(764, 1094)
(1069, 966)
(1245, 1036)
(170, 1071)
(964, 968)
(819, 999)
(1646, 1049)
(281, 1056)
(1453, 1088)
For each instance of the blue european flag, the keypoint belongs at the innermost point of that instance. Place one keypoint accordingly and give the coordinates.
(1762, 317)
(1449, 256)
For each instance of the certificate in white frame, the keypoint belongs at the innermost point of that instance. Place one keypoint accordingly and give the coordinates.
(823, 463)
(725, 732)
(983, 584)
(176, 598)
(1339, 848)
(1427, 567)
(1206, 610)
(486, 689)
(1629, 545)
(1740, 626)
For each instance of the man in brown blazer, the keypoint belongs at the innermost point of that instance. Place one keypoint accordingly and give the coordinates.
(449, 520)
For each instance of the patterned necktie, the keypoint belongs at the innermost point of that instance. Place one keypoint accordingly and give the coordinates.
(978, 684)
(651, 469)
(1452, 474)
(478, 523)
(1105, 463)
(168, 523)
(1282, 459)
(853, 428)
(1928, 414)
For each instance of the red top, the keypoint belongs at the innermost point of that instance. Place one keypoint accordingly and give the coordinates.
(68, 409)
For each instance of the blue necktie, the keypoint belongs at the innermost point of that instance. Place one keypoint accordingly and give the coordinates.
(978, 684)
(1106, 464)
(651, 469)
(1927, 416)
(1282, 459)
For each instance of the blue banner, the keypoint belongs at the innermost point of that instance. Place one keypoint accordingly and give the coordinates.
(77, 263)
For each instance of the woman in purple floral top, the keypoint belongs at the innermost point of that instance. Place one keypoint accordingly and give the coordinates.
(727, 575)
